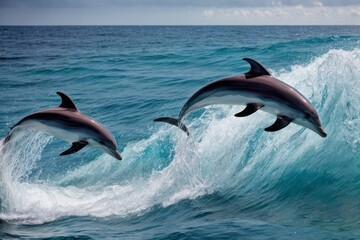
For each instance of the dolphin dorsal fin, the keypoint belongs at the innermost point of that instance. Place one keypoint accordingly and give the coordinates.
(66, 101)
(256, 69)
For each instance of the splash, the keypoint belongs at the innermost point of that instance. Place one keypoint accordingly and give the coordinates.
(227, 155)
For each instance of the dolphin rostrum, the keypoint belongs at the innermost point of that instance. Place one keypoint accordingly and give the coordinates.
(258, 90)
(68, 123)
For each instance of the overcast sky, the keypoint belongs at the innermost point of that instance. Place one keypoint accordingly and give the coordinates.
(178, 12)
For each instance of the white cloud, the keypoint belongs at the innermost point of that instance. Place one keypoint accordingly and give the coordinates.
(275, 12)
(208, 13)
(288, 15)
(355, 12)
(318, 4)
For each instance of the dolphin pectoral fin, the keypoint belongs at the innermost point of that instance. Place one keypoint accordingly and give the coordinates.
(75, 147)
(280, 123)
(66, 101)
(175, 122)
(250, 109)
(256, 69)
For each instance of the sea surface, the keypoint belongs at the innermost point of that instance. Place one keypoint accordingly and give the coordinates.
(229, 180)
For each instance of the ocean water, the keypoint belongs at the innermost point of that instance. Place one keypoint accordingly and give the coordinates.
(230, 180)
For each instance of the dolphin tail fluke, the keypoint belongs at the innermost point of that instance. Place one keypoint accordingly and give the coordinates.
(175, 122)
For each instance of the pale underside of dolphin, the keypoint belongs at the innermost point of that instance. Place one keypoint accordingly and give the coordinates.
(257, 90)
(69, 124)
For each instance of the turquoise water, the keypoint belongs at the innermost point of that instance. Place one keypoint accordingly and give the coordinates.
(231, 180)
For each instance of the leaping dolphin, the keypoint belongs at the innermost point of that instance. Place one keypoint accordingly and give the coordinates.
(68, 123)
(258, 90)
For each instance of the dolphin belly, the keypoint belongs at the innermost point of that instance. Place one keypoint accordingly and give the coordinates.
(231, 98)
(58, 131)
(278, 109)
(226, 99)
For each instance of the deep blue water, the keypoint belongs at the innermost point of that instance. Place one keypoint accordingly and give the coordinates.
(230, 180)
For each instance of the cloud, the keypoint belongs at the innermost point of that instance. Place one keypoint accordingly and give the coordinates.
(176, 12)
(208, 13)
(170, 3)
(277, 14)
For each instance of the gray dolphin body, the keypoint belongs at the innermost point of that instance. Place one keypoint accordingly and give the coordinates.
(68, 123)
(258, 90)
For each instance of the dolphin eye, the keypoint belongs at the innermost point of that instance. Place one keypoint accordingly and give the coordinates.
(102, 142)
(307, 115)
